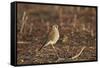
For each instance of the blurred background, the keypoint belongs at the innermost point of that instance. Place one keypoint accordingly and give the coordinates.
(77, 28)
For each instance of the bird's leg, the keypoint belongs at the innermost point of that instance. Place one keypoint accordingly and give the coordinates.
(55, 51)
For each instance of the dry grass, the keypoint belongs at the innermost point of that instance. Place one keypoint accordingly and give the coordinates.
(77, 27)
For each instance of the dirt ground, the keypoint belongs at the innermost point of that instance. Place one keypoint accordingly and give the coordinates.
(77, 28)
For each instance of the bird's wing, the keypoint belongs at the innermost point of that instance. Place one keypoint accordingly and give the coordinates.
(51, 35)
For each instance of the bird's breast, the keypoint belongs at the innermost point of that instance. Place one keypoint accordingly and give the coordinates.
(56, 36)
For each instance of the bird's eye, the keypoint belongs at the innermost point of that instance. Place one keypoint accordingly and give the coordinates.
(56, 26)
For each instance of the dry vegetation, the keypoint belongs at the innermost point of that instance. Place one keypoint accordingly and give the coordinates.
(77, 27)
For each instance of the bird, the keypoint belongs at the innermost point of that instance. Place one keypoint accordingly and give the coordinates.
(53, 37)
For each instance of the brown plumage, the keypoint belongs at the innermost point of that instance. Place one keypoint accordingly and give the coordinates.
(53, 37)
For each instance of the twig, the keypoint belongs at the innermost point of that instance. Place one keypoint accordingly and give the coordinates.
(78, 9)
(23, 42)
(47, 26)
(24, 19)
(77, 55)
(74, 21)
(30, 31)
(60, 15)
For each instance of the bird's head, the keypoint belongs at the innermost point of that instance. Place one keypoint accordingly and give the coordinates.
(55, 26)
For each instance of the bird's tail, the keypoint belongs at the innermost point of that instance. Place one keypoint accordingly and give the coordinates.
(44, 46)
